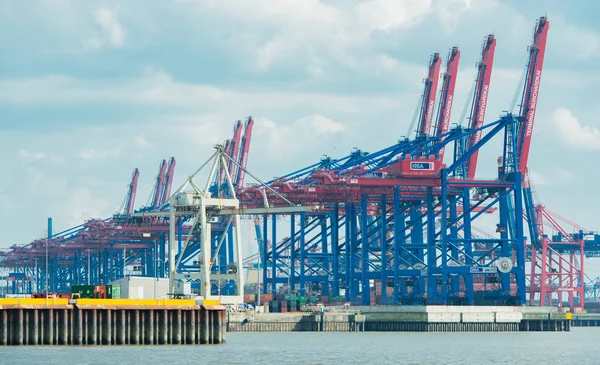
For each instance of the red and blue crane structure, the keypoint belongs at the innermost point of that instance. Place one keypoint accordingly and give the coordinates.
(385, 205)
(398, 217)
(103, 250)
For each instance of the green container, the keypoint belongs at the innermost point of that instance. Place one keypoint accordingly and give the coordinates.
(300, 303)
(336, 299)
(312, 299)
(302, 298)
(84, 291)
(116, 292)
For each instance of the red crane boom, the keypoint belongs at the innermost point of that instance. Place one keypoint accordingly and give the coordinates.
(166, 192)
(531, 91)
(131, 191)
(447, 95)
(429, 92)
(245, 149)
(482, 87)
(235, 147)
(160, 180)
(227, 149)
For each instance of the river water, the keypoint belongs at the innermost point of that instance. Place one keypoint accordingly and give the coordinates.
(580, 346)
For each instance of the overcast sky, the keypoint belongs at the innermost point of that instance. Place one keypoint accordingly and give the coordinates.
(89, 90)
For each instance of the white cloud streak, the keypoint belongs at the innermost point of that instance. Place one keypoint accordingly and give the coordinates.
(157, 88)
(574, 134)
(112, 32)
(311, 31)
(91, 154)
(31, 155)
(291, 139)
(81, 205)
(141, 141)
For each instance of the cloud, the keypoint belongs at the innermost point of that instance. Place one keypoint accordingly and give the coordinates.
(555, 176)
(576, 41)
(289, 140)
(31, 155)
(386, 15)
(141, 141)
(158, 89)
(112, 33)
(320, 124)
(91, 154)
(572, 133)
(277, 32)
(538, 178)
(81, 206)
(201, 129)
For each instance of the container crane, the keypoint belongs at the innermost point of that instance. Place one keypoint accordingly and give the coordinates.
(447, 96)
(557, 268)
(429, 93)
(522, 142)
(531, 93)
(227, 149)
(158, 187)
(166, 191)
(244, 150)
(478, 108)
(235, 146)
(131, 191)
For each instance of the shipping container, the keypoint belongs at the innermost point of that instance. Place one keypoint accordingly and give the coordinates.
(266, 297)
(139, 287)
(116, 292)
(82, 291)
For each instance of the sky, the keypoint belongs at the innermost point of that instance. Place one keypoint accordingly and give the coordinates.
(90, 90)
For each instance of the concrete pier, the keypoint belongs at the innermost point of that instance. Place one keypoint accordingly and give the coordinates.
(406, 318)
(110, 322)
(286, 322)
(586, 320)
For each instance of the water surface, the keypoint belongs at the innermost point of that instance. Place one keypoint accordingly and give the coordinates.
(576, 347)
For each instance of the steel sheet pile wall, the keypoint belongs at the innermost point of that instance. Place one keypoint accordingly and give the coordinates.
(72, 325)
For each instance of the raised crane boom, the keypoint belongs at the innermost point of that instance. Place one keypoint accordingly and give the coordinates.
(531, 92)
(158, 188)
(447, 96)
(131, 191)
(227, 149)
(429, 92)
(482, 87)
(166, 192)
(235, 146)
(244, 150)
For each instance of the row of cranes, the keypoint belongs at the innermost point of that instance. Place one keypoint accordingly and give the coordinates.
(160, 193)
(395, 226)
(103, 250)
(401, 219)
